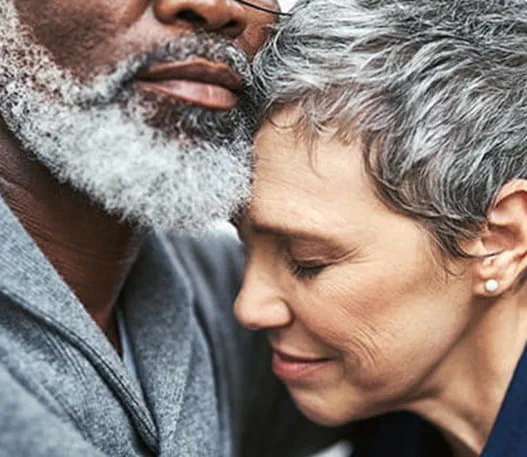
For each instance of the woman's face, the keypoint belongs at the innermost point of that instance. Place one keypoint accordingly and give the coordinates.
(359, 309)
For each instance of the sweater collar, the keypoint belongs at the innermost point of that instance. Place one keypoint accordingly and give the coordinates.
(29, 280)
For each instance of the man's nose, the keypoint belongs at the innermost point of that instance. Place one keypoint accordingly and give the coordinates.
(259, 306)
(227, 17)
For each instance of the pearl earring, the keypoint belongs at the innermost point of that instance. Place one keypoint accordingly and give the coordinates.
(491, 285)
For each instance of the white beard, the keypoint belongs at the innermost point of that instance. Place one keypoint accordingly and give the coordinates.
(104, 140)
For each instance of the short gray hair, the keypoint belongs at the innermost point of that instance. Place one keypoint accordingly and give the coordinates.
(435, 89)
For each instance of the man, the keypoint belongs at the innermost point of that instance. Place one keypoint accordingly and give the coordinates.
(119, 118)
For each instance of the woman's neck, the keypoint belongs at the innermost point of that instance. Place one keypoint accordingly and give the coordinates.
(466, 391)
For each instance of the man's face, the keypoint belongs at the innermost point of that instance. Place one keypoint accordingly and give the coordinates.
(87, 35)
(141, 104)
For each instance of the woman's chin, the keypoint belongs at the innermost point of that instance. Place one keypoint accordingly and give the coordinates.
(333, 409)
(326, 412)
(325, 418)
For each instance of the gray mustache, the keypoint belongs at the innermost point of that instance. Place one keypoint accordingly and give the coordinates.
(117, 81)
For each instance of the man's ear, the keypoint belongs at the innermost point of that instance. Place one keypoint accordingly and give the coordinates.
(502, 245)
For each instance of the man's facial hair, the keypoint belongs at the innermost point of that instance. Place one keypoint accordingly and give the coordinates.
(149, 160)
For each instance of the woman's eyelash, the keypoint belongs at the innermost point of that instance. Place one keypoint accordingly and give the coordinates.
(305, 271)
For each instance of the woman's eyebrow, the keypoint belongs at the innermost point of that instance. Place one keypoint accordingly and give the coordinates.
(284, 230)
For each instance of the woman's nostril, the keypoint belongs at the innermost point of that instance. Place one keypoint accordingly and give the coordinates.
(191, 16)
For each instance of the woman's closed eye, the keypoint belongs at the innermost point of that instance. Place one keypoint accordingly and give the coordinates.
(305, 270)
(308, 260)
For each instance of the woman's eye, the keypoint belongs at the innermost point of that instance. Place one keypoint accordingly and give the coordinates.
(305, 271)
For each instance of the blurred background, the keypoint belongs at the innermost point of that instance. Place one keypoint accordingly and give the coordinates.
(286, 4)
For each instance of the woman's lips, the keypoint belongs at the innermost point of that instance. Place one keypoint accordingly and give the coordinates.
(207, 95)
(291, 368)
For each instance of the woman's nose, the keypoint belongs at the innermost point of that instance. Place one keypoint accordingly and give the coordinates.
(227, 17)
(258, 307)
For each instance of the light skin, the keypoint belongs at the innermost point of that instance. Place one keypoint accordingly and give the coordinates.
(362, 296)
(94, 251)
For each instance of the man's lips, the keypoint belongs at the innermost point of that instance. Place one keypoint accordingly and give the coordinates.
(292, 367)
(201, 82)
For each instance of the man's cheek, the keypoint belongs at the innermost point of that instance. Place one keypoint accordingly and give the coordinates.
(73, 32)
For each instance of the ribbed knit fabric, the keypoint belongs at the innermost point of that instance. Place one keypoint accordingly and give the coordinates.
(65, 391)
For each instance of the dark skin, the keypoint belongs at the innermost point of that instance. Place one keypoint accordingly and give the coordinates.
(94, 251)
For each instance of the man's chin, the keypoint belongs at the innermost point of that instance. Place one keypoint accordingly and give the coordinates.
(189, 210)
(176, 180)
(182, 121)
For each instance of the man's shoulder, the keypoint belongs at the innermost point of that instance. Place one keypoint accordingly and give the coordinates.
(44, 434)
(214, 268)
(213, 264)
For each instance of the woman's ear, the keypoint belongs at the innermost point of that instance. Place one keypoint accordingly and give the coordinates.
(502, 245)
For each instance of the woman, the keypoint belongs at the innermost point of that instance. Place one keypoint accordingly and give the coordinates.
(387, 239)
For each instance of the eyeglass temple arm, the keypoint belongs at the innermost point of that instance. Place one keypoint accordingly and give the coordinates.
(263, 8)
